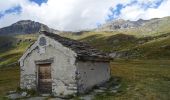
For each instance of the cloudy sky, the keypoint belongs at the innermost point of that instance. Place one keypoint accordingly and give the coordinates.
(77, 15)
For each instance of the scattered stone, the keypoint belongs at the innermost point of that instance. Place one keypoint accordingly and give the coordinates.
(113, 91)
(11, 92)
(14, 96)
(24, 94)
(102, 88)
(87, 97)
(111, 87)
(116, 87)
(45, 95)
(36, 98)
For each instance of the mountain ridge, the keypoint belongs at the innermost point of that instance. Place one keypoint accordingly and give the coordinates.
(25, 27)
(140, 27)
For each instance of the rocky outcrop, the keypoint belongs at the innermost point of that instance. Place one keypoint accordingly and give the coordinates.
(122, 24)
(154, 25)
(25, 27)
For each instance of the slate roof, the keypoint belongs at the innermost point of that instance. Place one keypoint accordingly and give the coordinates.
(83, 50)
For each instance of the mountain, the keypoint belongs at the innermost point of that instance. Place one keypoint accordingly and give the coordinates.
(122, 24)
(125, 39)
(130, 39)
(142, 28)
(25, 27)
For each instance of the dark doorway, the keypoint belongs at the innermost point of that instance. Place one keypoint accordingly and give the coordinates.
(44, 79)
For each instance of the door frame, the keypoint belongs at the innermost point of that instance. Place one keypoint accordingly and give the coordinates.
(41, 62)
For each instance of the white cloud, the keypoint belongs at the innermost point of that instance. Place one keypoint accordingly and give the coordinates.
(76, 14)
(135, 12)
(6, 4)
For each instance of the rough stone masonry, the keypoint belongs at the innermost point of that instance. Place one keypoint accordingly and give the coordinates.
(61, 66)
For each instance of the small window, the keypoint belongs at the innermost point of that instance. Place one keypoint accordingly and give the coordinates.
(42, 41)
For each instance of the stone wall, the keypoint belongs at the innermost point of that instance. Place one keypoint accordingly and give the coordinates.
(90, 74)
(62, 69)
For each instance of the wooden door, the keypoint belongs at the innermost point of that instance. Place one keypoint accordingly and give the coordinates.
(44, 79)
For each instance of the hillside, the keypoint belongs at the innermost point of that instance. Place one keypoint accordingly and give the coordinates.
(138, 79)
(139, 28)
(25, 27)
(127, 46)
(118, 43)
(140, 39)
(12, 47)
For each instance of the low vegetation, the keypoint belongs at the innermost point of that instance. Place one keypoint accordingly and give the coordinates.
(10, 53)
(126, 45)
(9, 80)
(140, 80)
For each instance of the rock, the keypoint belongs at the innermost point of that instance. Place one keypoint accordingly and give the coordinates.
(45, 95)
(25, 27)
(37, 98)
(113, 91)
(113, 55)
(102, 88)
(11, 92)
(23, 94)
(14, 96)
(141, 42)
(166, 47)
(98, 91)
(116, 87)
(87, 97)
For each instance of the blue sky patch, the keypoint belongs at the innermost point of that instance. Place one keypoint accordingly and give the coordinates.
(132, 3)
(115, 12)
(16, 9)
(39, 2)
(152, 4)
(1, 15)
(158, 3)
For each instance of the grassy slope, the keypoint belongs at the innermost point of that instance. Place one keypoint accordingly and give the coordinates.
(102, 40)
(154, 49)
(140, 80)
(9, 70)
(136, 47)
(9, 80)
(153, 27)
(143, 42)
(16, 48)
(106, 41)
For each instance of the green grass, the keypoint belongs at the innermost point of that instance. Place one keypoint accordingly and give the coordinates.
(11, 54)
(152, 47)
(105, 41)
(9, 69)
(140, 80)
(9, 80)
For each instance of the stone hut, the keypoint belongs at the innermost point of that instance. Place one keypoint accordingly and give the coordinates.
(61, 66)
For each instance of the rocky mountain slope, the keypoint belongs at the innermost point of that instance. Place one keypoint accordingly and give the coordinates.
(130, 39)
(140, 39)
(140, 28)
(25, 27)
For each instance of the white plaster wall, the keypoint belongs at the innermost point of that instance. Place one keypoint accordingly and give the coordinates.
(90, 74)
(63, 67)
